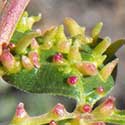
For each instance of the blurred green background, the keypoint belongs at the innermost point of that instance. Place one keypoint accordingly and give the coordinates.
(87, 13)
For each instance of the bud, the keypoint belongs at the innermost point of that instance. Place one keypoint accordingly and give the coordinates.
(47, 30)
(102, 46)
(106, 108)
(34, 44)
(59, 110)
(60, 35)
(96, 30)
(87, 68)
(23, 44)
(49, 38)
(73, 28)
(27, 63)
(63, 46)
(7, 60)
(34, 58)
(107, 70)
(74, 54)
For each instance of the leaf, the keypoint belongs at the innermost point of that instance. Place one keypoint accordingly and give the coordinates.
(113, 48)
(90, 88)
(51, 78)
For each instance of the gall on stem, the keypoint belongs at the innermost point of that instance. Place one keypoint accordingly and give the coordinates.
(102, 46)
(96, 30)
(73, 27)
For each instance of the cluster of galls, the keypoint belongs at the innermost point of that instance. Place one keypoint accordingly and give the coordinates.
(12, 63)
(26, 53)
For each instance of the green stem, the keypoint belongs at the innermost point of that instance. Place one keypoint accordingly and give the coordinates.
(9, 19)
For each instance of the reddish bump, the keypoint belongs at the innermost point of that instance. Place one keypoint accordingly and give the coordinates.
(12, 45)
(72, 80)
(100, 90)
(86, 108)
(52, 123)
(7, 59)
(59, 110)
(20, 111)
(34, 59)
(58, 58)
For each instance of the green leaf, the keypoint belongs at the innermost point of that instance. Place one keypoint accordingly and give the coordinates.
(27, 22)
(51, 78)
(113, 48)
(90, 86)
